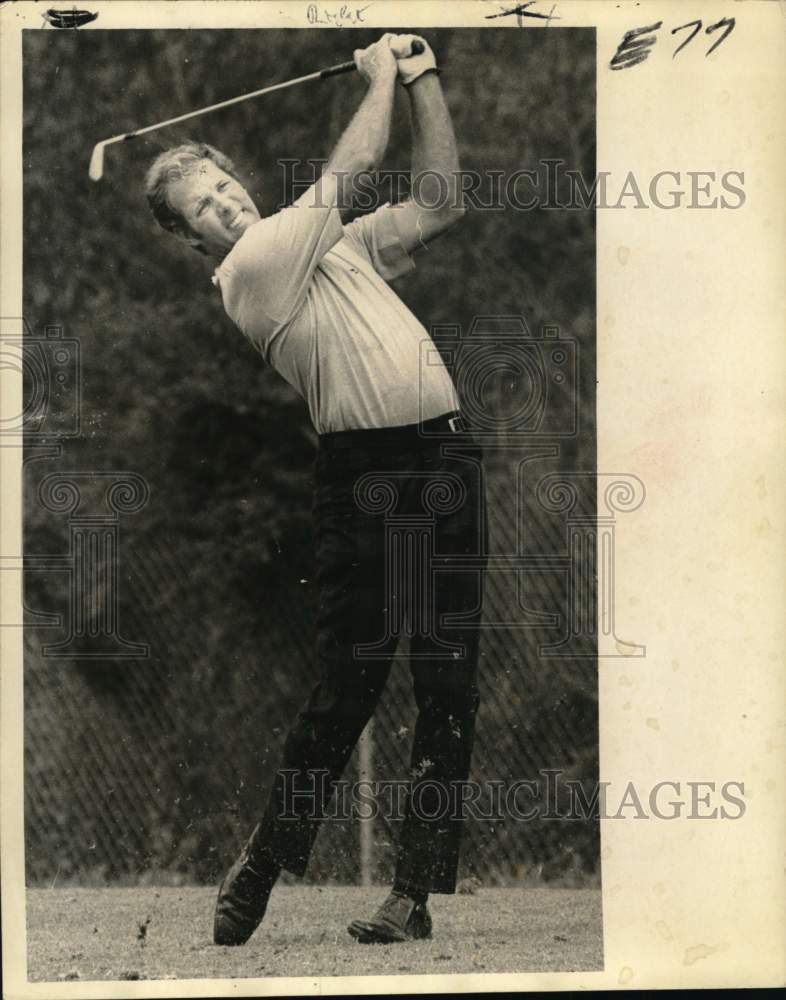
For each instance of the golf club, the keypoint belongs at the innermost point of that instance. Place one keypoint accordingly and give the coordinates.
(96, 169)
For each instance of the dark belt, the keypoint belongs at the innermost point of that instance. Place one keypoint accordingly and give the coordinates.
(446, 426)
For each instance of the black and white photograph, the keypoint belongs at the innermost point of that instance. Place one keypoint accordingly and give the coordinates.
(375, 586)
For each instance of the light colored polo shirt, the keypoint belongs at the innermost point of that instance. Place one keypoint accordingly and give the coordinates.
(311, 295)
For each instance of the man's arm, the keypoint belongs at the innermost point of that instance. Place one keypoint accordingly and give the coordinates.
(363, 143)
(436, 202)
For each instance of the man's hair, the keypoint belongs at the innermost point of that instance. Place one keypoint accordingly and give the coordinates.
(172, 165)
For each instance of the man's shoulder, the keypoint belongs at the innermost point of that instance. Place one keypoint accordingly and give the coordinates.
(250, 250)
(240, 275)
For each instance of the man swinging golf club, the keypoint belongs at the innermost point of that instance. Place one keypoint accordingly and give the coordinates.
(310, 293)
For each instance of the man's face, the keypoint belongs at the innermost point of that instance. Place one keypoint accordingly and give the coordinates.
(216, 207)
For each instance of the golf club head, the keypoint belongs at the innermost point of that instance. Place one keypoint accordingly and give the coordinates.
(96, 169)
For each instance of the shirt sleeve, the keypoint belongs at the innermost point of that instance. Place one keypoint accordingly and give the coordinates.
(280, 253)
(376, 237)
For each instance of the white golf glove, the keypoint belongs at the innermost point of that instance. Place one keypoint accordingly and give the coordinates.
(410, 67)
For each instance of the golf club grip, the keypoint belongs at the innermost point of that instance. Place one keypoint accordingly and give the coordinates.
(349, 67)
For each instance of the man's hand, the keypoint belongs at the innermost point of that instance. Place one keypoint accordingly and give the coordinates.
(378, 61)
(410, 67)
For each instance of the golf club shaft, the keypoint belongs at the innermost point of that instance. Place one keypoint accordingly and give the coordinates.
(321, 74)
(96, 170)
(346, 67)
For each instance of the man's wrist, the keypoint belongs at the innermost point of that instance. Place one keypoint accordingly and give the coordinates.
(434, 71)
(383, 81)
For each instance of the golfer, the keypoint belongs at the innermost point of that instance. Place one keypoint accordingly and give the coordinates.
(310, 293)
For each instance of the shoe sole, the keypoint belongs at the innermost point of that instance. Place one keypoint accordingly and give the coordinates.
(367, 934)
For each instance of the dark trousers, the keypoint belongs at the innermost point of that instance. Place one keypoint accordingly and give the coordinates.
(392, 509)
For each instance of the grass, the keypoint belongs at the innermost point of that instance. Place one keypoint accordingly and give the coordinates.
(165, 933)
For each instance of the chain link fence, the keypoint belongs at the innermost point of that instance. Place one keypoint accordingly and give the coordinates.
(157, 768)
